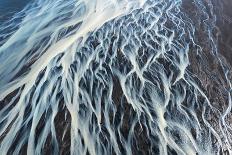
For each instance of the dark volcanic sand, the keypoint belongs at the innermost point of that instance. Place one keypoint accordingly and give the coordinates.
(224, 23)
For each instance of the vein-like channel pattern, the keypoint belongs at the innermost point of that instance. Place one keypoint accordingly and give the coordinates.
(107, 77)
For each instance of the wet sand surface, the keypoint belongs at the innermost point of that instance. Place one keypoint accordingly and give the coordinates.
(225, 25)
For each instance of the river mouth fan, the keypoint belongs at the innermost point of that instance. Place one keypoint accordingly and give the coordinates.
(115, 77)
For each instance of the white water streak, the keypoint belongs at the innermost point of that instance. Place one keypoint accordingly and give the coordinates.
(81, 55)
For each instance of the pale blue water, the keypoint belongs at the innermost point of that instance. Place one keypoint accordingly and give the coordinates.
(10, 7)
(151, 81)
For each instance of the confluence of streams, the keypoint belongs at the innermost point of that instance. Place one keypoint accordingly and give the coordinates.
(114, 73)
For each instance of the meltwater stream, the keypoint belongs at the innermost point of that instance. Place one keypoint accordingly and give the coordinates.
(111, 77)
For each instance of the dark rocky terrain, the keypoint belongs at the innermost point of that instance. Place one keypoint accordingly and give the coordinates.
(207, 70)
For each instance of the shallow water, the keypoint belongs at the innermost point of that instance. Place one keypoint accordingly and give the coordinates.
(9, 7)
(116, 77)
